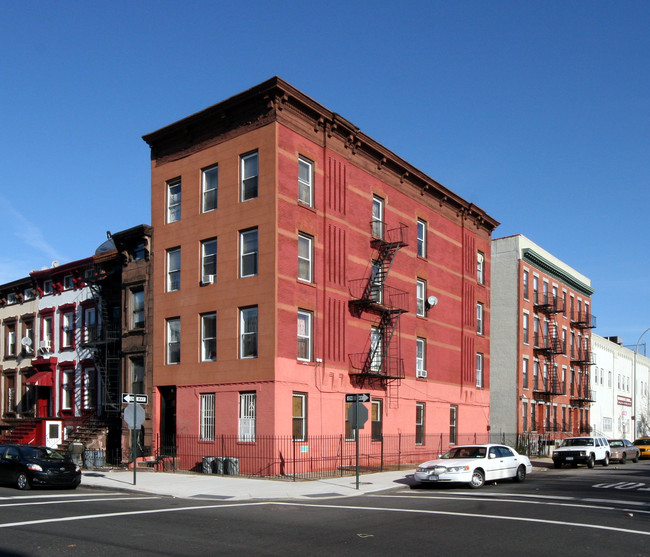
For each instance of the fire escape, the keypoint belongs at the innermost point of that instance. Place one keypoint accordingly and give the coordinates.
(582, 358)
(381, 360)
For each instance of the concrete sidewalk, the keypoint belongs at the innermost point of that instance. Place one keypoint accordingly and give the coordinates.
(238, 488)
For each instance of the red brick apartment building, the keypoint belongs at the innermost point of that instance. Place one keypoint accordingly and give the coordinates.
(296, 260)
(541, 343)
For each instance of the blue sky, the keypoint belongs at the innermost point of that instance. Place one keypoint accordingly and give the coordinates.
(538, 112)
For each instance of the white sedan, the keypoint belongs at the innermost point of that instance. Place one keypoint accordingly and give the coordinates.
(475, 465)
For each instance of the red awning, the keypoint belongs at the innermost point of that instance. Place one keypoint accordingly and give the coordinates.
(40, 379)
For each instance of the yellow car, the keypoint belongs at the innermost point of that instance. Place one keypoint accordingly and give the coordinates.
(644, 446)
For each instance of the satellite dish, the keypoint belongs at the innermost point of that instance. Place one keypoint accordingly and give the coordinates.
(26, 341)
(432, 300)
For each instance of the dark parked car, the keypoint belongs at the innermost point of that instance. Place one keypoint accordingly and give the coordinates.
(27, 465)
(622, 450)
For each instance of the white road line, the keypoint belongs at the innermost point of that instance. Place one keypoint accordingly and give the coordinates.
(476, 515)
(60, 496)
(69, 501)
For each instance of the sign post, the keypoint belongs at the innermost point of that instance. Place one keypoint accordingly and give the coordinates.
(134, 417)
(357, 415)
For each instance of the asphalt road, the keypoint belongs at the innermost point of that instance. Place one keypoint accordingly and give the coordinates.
(555, 512)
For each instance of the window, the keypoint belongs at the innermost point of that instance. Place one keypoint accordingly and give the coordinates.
(453, 424)
(525, 324)
(247, 412)
(535, 289)
(525, 285)
(174, 341)
(209, 261)
(377, 217)
(524, 378)
(67, 329)
(480, 268)
(420, 354)
(90, 388)
(174, 200)
(479, 318)
(299, 416)
(210, 188)
(209, 337)
(173, 269)
(376, 282)
(47, 333)
(304, 335)
(248, 252)
(375, 350)
(136, 369)
(419, 423)
(375, 417)
(90, 323)
(305, 257)
(479, 370)
(248, 332)
(28, 294)
(139, 252)
(68, 282)
(420, 296)
(207, 416)
(305, 181)
(249, 172)
(47, 287)
(137, 308)
(28, 333)
(524, 416)
(350, 431)
(67, 389)
(422, 238)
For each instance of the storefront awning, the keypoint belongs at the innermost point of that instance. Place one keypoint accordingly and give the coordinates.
(40, 379)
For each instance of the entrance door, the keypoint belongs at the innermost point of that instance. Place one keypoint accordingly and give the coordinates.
(43, 401)
(53, 434)
(167, 420)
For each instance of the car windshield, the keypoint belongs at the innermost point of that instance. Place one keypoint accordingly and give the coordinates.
(578, 442)
(642, 442)
(42, 453)
(465, 452)
(616, 443)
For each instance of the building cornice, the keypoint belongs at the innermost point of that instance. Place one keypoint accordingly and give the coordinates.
(553, 270)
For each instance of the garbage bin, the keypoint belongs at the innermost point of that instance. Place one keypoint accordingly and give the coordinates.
(231, 466)
(94, 459)
(217, 465)
(208, 464)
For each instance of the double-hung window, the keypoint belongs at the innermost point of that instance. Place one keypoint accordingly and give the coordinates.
(420, 357)
(249, 171)
(67, 389)
(10, 347)
(209, 261)
(248, 252)
(210, 188)
(422, 238)
(305, 335)
(305, 181)
(207, 416)
(377, 217)
(248, 332)
(137, 308)
(174, 200)
(479, 370)
(209, 337)
(376, 431)
(419, 423)
(479, 318)
(173, 269)
(420, 297)
(299, 416)
(174, 340)
(453, 424)
(67, 329)
(47, 333)
(305, 259)
(480, 268)
(247, 416)
(90, 387)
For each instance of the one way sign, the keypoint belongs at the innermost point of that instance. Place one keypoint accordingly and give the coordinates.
(357, 397)
(128, 398)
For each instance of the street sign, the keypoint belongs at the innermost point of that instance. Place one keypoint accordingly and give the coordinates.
(128, 398)
(357, 397)
(134, 416)
(357, 415)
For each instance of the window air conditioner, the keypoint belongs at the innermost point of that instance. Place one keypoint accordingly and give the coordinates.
(421, 373)
(44, 346)
(208, 279)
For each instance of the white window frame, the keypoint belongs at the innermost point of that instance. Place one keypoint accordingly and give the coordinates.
(209, 261)
(420, 356)
(376, 350)
(247, 417)
(248, 176)
(420, 419)
(480, 267)
(480, 314)
(305, 257)
(67, 389)
(173, 269)
(305, 181)
(420, 297)
(422, 238)
(173, 340)
(248, 332)
(11, 339)
(90, 387)
(479, 370)
(377, 217)
(209, 337)
(68, 282)
(305, 335)
(246, 256)
(67, 329)
(174, 200)
(299, 422)
(210, 188)
(207, 417)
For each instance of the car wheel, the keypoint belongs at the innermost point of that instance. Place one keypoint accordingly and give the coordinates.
(606, 460)
(520, 476)
(22, 481)
(557, 464)
(478, 479)
(591, 461)
(624, 458)
(635, 459)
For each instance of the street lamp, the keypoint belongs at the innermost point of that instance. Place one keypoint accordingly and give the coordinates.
(636, 349)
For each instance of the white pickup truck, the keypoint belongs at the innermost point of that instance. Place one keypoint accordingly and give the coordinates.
(582, 450)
